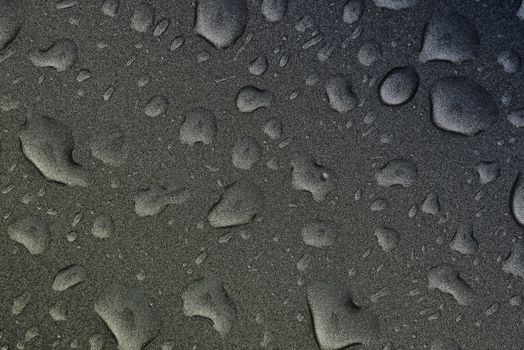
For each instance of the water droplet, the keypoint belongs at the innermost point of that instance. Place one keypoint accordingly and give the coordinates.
(388, 238)
(11, 20)
(156, 106)
(155, 199)
(397, 172)
(353, 10)
(103, 226)
(250, 98)
(399, 86)
(340, 95)
(395, 4)
(31, 232)
(69, 277)
(319, 234)
(61, 55)
(199, 126)
(143, 17)
(246, 153)
(464, 240)
(308, 175)
(274, 10)
(445, 278)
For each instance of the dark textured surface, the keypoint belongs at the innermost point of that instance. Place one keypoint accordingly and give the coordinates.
(147, 202)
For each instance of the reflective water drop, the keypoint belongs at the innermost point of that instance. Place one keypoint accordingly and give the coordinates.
(514, 263)
(353, 10)
(238, 205)
(274, 10)
(207, 297)
(387, 237)
(338, 321)
(156, 106)
(48, 144)
(31, 232)
(199, 126)
(319, 234)
(308, 175)
(69, 277)
(246, 153)
(397, 172)
(340, 95)
(461, 106)
(103, 226)
(221, 22)
(143, 17)
(127, 314)
(399, 86)
(450, 37)
(445, 278)
(250, 98)
(61, 55)
(155, 199)
(464, 240)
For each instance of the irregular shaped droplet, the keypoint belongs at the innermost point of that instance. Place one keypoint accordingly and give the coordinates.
(399, 86)
(514, 263)
(11, 21)
(250, 98)
(274, 10)
(103, 226)
(48, 144)
(338, 322)
(319, 234)
(488, 172)
(61, 55)
(446, 279)
(510, 60)
(461, 106)
(340, 95)
(517, 200)
(353, 10)
(445, 344)
(464, 240)
(69, 277)
(431, 204)
(221, 22)
(238, 205)
(451, 37)
(111, 148)
(110, 7)
(388, 238)
(157, 105)
(31, 232)
(246, 153)
(397, 172)
(143, 17)
(128, 316)
(395, 4)
(155, 199)
(258, 66)
(207, 297)
(308, 175)
(199, 126)
(65, 4)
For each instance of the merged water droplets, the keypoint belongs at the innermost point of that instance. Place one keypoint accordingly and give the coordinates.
(126, 313)
(31, 232)
(399, 86)
(250, 98)
(449, 36)
(238, 205)
(461, 106)
(338, 321)
(48, 144)
(446, 279)
(61, 55)
(221, 22)
(155, 199)
(199, 126)
(207, 297)
(308, 175)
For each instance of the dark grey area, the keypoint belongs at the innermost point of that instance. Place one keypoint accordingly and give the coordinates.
(249, 174)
